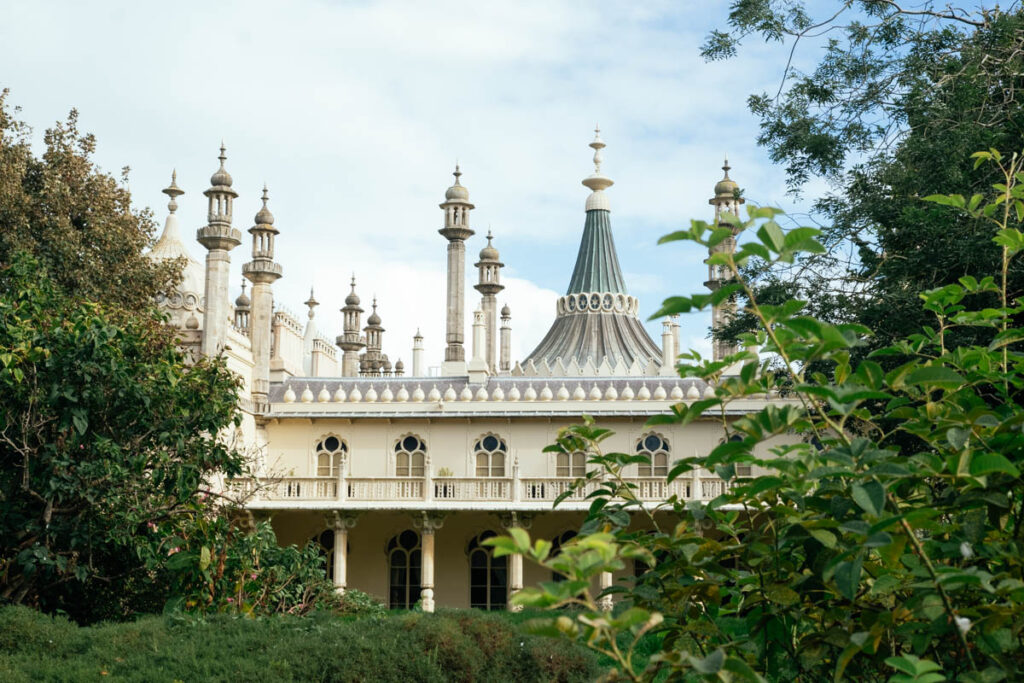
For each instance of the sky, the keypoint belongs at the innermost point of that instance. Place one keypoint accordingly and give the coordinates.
(354, 114)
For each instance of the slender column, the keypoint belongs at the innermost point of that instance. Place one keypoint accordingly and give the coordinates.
(668, 360)
(606, 600)
(428, 524)
(490, 308)
(340, 523)
(515, 562)
(219, 238)
(456, 320)
(417, 355)
(259, 333)
(218, 270)
(506, 340)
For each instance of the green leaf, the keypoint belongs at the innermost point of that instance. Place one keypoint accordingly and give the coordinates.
(990, 463)
(870, 497)
(847, 577)
(935, 376)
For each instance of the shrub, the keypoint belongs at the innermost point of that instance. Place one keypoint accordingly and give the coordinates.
(885, 542)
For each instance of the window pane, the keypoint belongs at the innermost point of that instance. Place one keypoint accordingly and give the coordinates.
(323, 465)
(331, 443)
(562, 465)
(490, 443)
(498, 464)
(402, 465)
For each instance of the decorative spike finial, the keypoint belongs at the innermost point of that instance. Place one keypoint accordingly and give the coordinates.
(312, 303)
(243, 285)
(489, 237)
(173, 191)
(726, 166)
(266, 196)
(457, 173)
(597, 145)
(223, 157)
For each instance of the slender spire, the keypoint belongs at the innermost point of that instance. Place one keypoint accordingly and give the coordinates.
(596, 181)
(173, 191)
(312, 303)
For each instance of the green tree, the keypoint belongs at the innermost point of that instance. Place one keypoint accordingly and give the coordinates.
(105, 430)
(77, 221)
(855, 555)
(907, 96)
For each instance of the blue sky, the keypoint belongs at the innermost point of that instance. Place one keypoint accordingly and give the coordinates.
(355, 112)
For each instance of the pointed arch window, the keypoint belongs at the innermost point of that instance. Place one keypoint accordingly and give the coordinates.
(490, 452)
(405, 565)
(330, 452)
(571, 464)
(655, 448)
(488, 575)
(410, 456)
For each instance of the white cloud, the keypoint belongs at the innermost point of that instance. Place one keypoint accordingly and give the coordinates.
(354, 113)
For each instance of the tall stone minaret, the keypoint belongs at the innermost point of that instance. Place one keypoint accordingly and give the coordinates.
(727, 201)
(219, 238)
(456, 230)
(489, 285)
(349, 341)
(262, 272)
(417, 355)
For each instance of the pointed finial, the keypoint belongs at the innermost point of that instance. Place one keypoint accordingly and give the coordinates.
(223, 157)
(418, 335)
(243, 285)
(265, 195)
(312, 303)
(489, 237)
(457, 173)
(173, 191)
(597, 145)
(726, 166)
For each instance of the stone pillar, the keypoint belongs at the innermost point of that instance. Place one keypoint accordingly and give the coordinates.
(259, 333)
(340, 523)
(605, 601)
(489, 305)
(417, 355)
(429, 523)
(668, 360)
(505, 362)
(218, 270)
(515, 562)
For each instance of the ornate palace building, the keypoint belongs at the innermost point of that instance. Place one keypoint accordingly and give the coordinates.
(400, 476)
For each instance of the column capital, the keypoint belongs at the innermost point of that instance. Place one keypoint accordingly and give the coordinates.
(428, 522)
(522, 520)
(341, 520)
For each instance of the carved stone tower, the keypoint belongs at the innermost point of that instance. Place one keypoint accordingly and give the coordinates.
(727, 201)
(219, 238)
(262, 272)
(349, 341)
(456, 230)
(489, 285)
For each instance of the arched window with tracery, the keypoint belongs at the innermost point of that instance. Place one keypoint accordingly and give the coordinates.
(490, 452)
(488, 575)
(410, 455)
(556, 548)
(330, 452)
(654, 447)
(404, 570)
(571, 464)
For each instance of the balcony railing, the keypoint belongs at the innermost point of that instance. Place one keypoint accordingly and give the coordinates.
(700, 485)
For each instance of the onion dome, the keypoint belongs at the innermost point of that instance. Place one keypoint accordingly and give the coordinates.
(457, 191)
(264, 217)
(221, 177)
(489, 253)
(726, 187)
(506, 312)
(399, 365)
(352, 299)
(387, 364)
(374, 319)
(242, 301)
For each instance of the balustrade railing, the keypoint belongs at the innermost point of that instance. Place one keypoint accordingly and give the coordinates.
(702, 486)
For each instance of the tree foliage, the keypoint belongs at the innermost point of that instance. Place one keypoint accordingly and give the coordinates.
(852, 555)
(76, 221)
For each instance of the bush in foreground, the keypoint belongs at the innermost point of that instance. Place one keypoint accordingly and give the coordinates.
(451, 645)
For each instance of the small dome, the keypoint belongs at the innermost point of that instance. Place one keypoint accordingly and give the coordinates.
(374, 319)
(387, 365)
(242, 301)
(221, 177)
(489, 253)
(352, 300)
(726, 187)
(399, 365)
(506, 311)
(264, 217)
(457, 191)
(192, 323)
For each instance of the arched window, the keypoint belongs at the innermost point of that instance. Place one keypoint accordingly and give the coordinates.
(410, 453)
(571, 464)
(404, 567)
(490, 456)
(488, 575)
(654, 447)
(329, 452)
(325, 543)
(556, 548)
